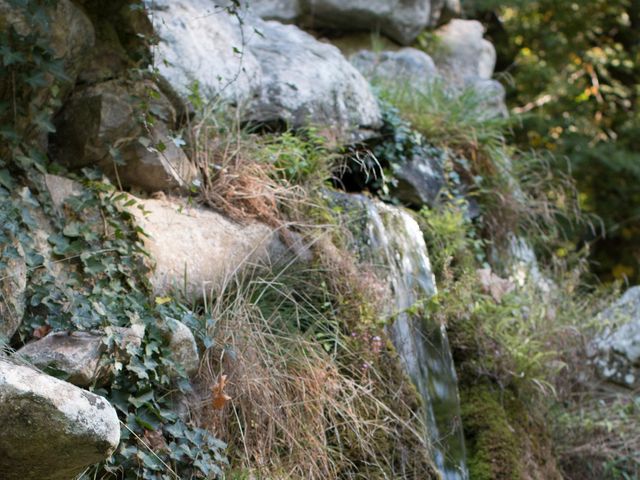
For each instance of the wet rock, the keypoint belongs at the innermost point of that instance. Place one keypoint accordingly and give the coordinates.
(275, 73)
(102, 125)
(51, 430)
(616, 352)
(13, 284)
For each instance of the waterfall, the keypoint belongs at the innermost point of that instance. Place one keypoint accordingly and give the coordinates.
(391, 240)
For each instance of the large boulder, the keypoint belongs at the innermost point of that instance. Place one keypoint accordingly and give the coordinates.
(616, 352)
(51, 430)
(106, 125)
(198, 251)
(275, 73)
(13, 284)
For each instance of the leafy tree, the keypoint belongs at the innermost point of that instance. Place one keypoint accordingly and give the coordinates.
(575, 70)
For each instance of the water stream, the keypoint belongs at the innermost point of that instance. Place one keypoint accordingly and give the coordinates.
(391, 240)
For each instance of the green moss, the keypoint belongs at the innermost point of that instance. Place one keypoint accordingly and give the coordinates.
(494, 449)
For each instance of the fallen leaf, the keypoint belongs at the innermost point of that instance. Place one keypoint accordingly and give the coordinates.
(218, 398)
(494, 285)
(41, 332)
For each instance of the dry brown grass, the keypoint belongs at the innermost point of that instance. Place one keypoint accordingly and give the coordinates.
(308, 399)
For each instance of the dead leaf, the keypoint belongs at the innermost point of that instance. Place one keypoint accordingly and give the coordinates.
(494, 285)
(41, 332)
(218, 398)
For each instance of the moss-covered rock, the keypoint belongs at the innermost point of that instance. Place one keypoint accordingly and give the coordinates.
(504, 440)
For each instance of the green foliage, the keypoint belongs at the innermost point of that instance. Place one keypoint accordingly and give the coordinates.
(577, 89)
(299, 158)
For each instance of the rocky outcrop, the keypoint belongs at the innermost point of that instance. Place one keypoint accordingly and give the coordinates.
(463, 60)
(51, 430)
(13, 284)
(616, 352)
(275, 73)
(401, 20)
(197, 251)
(108, 125)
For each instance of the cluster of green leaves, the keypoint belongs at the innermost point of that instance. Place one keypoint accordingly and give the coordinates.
(298, 158)
(577, 85)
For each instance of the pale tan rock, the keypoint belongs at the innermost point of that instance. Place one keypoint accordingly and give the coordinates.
(197, 251)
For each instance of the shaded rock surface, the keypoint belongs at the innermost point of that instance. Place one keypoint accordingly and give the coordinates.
(276, 73)
(421, 179)
(616, 352)
(51, 430)
(66, 35)
(104, 125)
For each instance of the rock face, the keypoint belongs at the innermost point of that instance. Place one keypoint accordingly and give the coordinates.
(13, 284)
(197, 250)
(102, 125)
(616, 352)
(421, 179)
(68, 35)
(408, 65)
(51, 430)
(280, 74)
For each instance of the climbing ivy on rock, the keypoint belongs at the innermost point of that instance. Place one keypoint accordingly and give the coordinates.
(91, 272)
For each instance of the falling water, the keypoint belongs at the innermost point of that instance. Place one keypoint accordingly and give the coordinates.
(391, 240)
